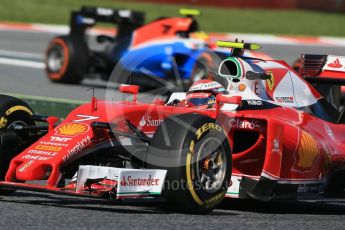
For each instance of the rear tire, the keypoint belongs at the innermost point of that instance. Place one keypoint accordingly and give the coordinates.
(197, 156)
(67, 60)
(12, 111)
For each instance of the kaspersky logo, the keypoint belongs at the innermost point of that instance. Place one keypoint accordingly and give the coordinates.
(71, 129)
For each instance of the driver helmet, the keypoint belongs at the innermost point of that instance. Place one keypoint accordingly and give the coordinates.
(204, 92)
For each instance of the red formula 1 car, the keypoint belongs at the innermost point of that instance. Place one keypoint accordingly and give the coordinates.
(260, 131)
(326, 74)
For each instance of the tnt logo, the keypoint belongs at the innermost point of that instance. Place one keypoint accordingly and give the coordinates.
(60, 139)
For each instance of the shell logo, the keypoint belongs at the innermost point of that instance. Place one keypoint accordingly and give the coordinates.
(72, 129)
(307, 153)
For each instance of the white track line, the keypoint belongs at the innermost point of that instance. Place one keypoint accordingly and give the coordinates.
(19, 54)
(22, 63)
(42, 98)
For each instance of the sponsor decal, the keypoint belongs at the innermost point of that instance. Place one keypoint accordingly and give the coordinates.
(16, 108)
(205, 86)
(241, 87)
(307, 152)
(72, 129)
(276, 145)
(125, 13)
(198, 95)
(206, 127)
(211, 85)
(85, 118)
(53, 143)
(329, 131)
(25, 166)
(214, 200)
(256, 88)
(40, 152)
(148, 121)
(270, 82)
(104, 11)
(130, 181)
(254, 102)
(307, 189)
(285, 99)
(77, 148)
(48, 148)
(3, 122)
(60, 139)
(39, 158)
(336, 64)
(243, 124)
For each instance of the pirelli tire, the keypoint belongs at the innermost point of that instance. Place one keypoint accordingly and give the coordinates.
(191, 147)
(67, 60)
(12, 111)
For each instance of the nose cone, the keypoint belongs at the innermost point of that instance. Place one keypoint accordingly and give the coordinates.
(30, 171)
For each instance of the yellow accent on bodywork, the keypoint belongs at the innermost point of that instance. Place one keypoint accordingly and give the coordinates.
(187, 12)
(238, 45)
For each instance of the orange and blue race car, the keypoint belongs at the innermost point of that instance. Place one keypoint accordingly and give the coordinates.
(258, 130)
(170, 49)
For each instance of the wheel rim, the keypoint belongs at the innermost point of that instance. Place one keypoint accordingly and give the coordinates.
(17, 123)
(211, 165)
(55, 59)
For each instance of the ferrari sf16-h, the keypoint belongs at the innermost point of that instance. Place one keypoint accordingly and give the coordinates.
(257, 131)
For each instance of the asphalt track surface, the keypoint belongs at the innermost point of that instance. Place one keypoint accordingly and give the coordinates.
(27, 210)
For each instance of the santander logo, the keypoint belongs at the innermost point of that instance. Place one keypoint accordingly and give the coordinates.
(149, 121)
(335, 64)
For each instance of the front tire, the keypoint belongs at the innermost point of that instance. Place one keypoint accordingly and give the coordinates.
(12, 112)
(196, 153)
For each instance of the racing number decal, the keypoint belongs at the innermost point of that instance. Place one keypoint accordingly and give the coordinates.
(256, 88)
(166, 28)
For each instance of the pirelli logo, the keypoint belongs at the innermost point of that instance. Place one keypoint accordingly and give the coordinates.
(48, 148)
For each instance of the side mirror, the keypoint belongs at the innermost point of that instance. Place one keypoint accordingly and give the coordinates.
(250, 75)
(131, 89)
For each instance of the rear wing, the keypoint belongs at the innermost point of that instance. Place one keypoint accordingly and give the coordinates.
(323, 68)
(87, 17)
